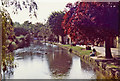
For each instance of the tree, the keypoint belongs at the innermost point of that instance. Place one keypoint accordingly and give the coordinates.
(45, 31)
(20, 31)
(31, 5)
(7, 26)
(16, 24)
(7, 32)
(54, 21)
(36, 28)
(26, 25)
(93, 21)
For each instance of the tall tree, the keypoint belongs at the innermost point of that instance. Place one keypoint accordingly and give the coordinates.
(44, 30)
(55, 20)
(92, 21)
(7, 32)
(27, 25)
(16, 24)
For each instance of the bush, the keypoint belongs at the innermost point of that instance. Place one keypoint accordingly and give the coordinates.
(20, 31)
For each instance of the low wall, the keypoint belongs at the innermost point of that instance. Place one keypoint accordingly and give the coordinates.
(103, 66)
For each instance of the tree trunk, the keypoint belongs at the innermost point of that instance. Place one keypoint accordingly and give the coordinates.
(108, 53)
(62, 39)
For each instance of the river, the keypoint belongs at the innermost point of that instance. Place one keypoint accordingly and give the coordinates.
(47, 61)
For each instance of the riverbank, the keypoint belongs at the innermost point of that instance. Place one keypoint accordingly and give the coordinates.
(110, 68)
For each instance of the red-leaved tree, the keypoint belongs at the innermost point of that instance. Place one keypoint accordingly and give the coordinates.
(93, 21)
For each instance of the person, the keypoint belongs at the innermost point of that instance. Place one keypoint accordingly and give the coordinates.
(70, 50)
(88, 48)
(93, 53)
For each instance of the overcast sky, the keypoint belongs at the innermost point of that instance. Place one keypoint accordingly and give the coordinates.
(45, 8)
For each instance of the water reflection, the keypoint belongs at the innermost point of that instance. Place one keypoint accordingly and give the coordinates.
(88, 70)
(47, 61)
(59, 63)
(8, 65)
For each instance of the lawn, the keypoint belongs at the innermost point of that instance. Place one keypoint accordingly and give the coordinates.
(81, 50)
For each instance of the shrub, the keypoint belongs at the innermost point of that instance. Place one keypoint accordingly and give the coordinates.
(20, 31)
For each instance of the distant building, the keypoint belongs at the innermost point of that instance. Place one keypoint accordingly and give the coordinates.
(67, 39)
(116, 42)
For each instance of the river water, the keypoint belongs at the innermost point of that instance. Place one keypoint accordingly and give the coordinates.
(47, 61)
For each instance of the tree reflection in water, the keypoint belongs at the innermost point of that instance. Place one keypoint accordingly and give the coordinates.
(47, 61)
(59, 63)
(8, 65)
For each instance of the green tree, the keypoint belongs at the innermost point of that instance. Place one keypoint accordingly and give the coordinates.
(20, 31)
(45, 31)
(7, 26)
(26, 25)
(54, 21)
(16, 24)
(7, 32)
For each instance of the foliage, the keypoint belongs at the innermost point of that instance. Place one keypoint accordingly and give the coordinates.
(27, 25)
(54, 21)
(37, 29)
(23, 29)
(31, 5)
(7, 26)
(44, 31)
(92, 21)
(20, 31)
(7, 32)
(16, 24)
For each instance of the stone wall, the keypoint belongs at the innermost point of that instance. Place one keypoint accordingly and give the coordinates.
(107, 67)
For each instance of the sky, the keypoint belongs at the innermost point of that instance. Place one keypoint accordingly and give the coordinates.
(45, 8)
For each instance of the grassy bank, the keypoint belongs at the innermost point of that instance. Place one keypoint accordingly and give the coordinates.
(109, 68)
(79, 50)
(75, 49)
